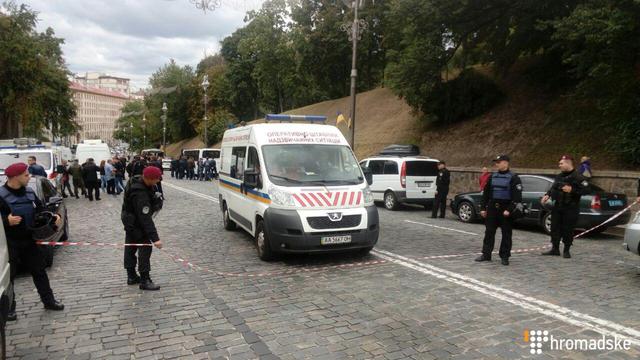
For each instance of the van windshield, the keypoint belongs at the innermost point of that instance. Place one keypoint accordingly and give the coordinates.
(8, 158)
(309, 164)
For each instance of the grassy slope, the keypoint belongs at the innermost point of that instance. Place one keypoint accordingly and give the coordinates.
(527, 126)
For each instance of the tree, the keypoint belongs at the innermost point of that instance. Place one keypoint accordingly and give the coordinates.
(34, 90)
(130, 127)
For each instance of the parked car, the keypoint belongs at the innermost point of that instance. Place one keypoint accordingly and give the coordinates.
(166, 164)
(632, 235)
(6, 292)
(52, 199)
(402, 179)
(595, 207)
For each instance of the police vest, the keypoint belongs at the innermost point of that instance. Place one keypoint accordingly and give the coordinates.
(501, 185)
(23, 206)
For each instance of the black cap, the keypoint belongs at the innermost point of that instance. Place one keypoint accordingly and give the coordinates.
(501, 158)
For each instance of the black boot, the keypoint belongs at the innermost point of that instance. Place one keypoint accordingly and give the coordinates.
(132, 277)
(483, 258)
(146, 283)
(11, 315)
(565, 253)
(505, 261)
(555, 251)
(54, 305)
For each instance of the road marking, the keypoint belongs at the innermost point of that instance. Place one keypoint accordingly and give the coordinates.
(561, 313)
(442, 228)
(564, 314)
(192, 192)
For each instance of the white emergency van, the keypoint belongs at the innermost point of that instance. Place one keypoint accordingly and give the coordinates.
(22, 149)
(95, 149)
(296, 188)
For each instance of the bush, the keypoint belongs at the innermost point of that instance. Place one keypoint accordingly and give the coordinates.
(470, 94)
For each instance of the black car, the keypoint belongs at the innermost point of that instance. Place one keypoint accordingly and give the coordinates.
(595, 208)
(53, 200)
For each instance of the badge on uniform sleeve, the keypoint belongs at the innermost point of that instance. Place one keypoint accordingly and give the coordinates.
(585, 183)
(145, 210)
(519, 187)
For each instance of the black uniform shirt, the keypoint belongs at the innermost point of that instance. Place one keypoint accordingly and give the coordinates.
(443, 180)
(137, 210)
(579, 186)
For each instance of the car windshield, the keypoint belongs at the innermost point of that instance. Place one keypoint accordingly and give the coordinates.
(8, 158)
(308, 164)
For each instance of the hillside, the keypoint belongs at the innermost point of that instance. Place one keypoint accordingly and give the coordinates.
(525, 125)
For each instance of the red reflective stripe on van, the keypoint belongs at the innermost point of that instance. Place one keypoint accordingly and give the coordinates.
(316, 199)
(337, 197)
(324, 198)
(299, 200)
(308, 200)
(344, 198)
(359, 198)
(351, 198)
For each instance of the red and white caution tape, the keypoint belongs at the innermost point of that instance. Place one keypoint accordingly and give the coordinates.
(479, 253)
(608, 220)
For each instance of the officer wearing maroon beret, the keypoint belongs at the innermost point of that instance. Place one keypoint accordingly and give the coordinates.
(566, 191)
(141, 201)
(18, 207)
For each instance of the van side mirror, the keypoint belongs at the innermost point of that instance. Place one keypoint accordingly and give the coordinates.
(252, 179)
(368, 174)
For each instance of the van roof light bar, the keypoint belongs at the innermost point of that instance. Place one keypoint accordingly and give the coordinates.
(296, 118)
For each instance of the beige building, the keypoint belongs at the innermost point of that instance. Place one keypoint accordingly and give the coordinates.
(98, 110)
(104, 81)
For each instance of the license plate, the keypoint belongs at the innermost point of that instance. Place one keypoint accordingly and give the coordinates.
(423, 184)
(332, 240)
(616, 203)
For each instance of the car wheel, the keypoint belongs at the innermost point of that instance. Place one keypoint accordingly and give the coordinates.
(3, 341)
(546, 223)
(466, 212)
(65, 234)
(228, 223)
(262, 243)
(390, 201)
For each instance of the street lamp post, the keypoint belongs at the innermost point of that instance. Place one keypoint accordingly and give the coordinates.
(354, 30)
(164, 126)
(205, 85)
(144, 131)
(130, 135)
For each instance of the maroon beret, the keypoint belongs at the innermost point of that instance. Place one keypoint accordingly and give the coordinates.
(152, 173)
(566, 157)
(16, 169)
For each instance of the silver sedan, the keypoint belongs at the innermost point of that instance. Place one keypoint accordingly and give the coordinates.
(632, 235)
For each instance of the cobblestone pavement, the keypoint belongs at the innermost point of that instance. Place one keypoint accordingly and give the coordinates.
(403, 301)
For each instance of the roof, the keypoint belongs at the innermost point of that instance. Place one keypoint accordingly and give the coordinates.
(88, 89)
(403, 157)
(285, 133)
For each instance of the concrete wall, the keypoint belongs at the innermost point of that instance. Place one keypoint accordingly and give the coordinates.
(626, 182)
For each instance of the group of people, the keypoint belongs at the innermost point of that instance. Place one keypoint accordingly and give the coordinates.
(188, 168)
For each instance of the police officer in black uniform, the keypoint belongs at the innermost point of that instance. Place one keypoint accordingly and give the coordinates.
(140, 203)
(501, 204)
(565, 194)
(18, 208)
(442, 190)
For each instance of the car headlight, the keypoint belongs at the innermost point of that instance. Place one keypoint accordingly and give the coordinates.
(368, 195)
(280, 197)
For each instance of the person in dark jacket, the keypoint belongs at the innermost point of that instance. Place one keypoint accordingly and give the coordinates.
(90, 176)
(442, 190)
(140, 203)
(18, 208)
(182, 167)
(566, 191)
(501, 204)
(76, 172)
(34, 168)
(174, 168)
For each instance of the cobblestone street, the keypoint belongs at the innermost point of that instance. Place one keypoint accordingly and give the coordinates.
(406, 300)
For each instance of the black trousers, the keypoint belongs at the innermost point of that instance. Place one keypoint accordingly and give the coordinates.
(143, 259)
(495, 218)
(66, 186)
(440, 202)
(111, 186)
(563, 224)
(78, 184)
(93, 187)
(33, 259)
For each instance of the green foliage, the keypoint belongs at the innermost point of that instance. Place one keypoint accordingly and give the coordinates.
(34, 90)
(130, 127)
(468, 95)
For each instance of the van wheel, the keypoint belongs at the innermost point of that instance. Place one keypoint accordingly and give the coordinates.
(262, 243)
(3, 341)
(546, 223)
(228, 223)
(466, 212)
(390, 201)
